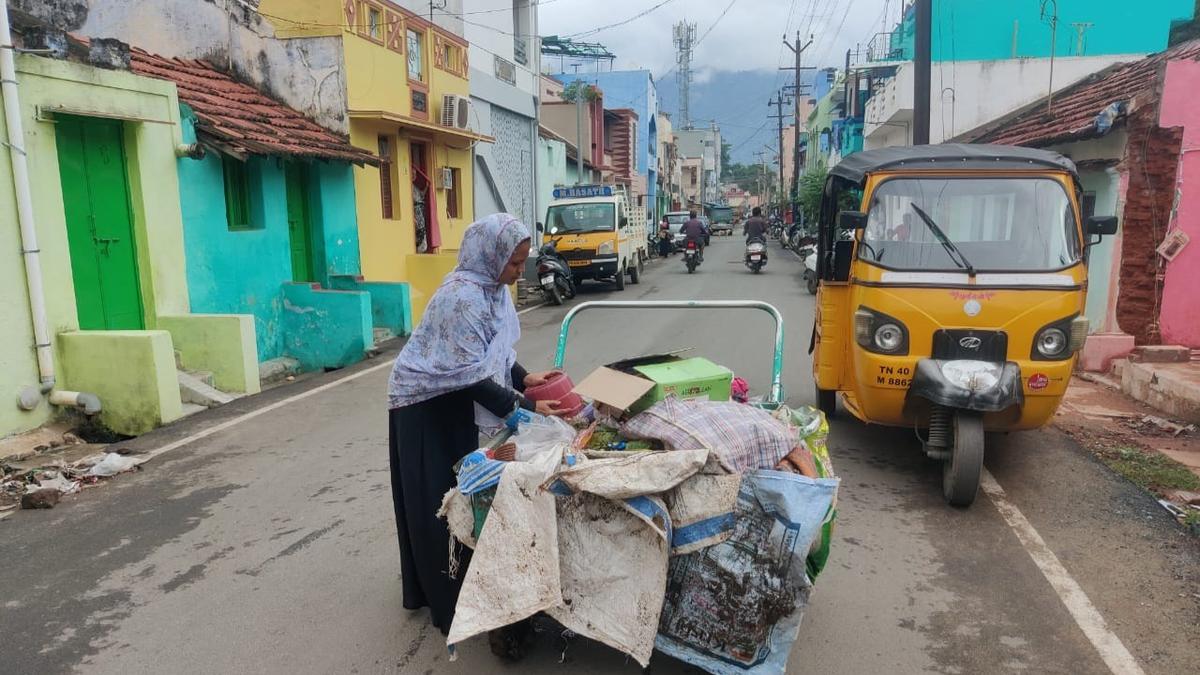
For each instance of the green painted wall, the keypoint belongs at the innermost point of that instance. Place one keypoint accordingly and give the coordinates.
(154, 195)
(222, 344)
(133, 373)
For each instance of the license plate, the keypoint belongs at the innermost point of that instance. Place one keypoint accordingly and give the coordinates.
(578, 263)
(689, 253)
(755, 258)
(548, 280)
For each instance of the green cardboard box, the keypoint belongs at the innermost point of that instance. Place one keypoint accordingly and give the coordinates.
(686, 379)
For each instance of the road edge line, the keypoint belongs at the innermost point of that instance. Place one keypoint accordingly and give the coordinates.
(1112, 651)
(530, 309)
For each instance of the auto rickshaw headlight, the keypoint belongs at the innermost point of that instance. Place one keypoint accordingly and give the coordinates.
(889, 337)
(1052, 343)
(879, 333)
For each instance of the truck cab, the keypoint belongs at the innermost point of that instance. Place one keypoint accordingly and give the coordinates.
(597, 232)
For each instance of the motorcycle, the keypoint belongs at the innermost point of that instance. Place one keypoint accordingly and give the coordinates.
(554, 275)
(756, 254)
(808, 253)
(691, 256)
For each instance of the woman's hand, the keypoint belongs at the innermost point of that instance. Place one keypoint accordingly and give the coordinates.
(550, 408)
(534, 379)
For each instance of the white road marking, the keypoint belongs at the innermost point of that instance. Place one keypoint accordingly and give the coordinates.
(1087, 617)
(530, 309)
(217, 428)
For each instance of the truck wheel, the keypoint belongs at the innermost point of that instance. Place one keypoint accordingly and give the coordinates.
(635, 272)
(827, 402)
(961, 473)
(620, 278)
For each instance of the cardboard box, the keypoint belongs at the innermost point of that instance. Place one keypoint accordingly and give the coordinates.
(686, 379)
(615, 393)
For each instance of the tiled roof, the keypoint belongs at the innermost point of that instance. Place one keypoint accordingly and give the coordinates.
(240, 119)
(1076, 107)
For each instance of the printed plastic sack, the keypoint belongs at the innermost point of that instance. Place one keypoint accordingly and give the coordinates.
(736, 607)
(743, 437)
(541, 434)
(813, 429)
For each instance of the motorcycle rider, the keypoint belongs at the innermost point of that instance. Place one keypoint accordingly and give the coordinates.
(755, 226)
(694, 230)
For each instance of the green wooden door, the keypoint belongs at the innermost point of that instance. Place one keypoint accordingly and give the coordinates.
(91, 160)
(299, 226)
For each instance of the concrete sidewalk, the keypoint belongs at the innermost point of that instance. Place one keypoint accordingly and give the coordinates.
(1173, 388)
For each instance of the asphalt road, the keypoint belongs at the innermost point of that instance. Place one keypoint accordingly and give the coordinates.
(261, 540)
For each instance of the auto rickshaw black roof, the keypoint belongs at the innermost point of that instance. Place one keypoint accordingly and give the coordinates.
(856, 167)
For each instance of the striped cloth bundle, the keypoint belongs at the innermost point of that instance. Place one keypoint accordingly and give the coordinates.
(743, 438)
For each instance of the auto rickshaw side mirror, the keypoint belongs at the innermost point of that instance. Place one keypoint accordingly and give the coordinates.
(1102, 225)
(540, 228)
(852, 220)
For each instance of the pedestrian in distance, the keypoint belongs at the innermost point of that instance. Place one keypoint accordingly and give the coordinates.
(457, 374)
(664, 238)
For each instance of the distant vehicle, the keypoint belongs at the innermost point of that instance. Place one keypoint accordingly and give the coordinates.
(598, 233)
(721, 218)
(676, 219)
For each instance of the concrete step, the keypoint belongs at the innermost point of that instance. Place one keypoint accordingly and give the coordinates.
(277, 370)
(190, 409)
(383, 335)
(194, 389)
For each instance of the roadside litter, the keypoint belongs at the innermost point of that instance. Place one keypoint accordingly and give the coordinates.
(665, 516)
(42, 487)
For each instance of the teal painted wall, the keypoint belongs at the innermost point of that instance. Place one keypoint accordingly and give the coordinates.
(391, 304)
(242, 271)
(970, 30)
(326, 329)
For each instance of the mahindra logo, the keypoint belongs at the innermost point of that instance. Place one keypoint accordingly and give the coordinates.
(972, 343)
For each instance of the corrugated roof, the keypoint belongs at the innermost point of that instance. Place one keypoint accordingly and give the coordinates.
(239, 119)
(1076, 108)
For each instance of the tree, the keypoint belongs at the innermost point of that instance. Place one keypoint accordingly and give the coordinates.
(577, 88)
(812, 185)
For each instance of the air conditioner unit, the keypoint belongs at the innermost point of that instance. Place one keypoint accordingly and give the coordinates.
(456, 111)
(446, 179)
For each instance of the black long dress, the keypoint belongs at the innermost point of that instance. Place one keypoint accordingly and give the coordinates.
(425, 441)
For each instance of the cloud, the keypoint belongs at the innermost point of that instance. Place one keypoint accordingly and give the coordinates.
(748, 37)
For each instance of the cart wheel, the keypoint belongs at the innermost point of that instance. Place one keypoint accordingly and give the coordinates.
(827, 402)
(620, 279)
(961, 473)
(635, 272)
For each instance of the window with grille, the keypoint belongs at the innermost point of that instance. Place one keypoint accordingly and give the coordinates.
(385, 177)
(415, 69)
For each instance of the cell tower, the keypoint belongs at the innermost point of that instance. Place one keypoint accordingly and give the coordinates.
(685, 38)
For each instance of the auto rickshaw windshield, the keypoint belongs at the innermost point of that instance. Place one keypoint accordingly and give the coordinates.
(986, 224)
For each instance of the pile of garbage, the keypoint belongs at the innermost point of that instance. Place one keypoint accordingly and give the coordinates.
(42, 487)
(694, 526)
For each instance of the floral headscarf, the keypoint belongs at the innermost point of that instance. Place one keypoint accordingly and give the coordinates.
(470, 329)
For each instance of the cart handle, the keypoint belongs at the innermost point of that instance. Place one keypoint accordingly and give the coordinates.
(776, 367)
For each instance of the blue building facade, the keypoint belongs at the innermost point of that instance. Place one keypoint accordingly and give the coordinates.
(633, 89)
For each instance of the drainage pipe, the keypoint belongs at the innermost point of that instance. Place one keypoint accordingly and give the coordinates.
(29, 244)
(88, 403)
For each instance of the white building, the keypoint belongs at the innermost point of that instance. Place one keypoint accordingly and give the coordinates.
(504, 66)
(964, 94)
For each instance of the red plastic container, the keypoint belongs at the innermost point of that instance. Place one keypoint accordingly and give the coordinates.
(557, 388)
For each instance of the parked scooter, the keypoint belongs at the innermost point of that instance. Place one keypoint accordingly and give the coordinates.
(554, 275)
(756, 254)
(691, 256)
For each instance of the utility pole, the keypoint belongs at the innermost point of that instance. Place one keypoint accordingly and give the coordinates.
(798, 50)
(922, 77)
(1050, 16)
(778, 102)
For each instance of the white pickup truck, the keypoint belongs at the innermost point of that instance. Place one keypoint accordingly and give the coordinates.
(598, 233)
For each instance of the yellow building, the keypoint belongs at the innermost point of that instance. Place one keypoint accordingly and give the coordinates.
(407, 100)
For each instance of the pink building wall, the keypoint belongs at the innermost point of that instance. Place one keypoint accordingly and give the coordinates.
(1179, 320)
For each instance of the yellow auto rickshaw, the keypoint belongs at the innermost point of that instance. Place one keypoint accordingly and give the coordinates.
(951, 295)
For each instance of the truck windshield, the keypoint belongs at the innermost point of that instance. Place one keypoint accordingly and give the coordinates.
(581, 218)
(988, 224)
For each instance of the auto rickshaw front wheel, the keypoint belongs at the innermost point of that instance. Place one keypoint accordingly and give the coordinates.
(961, 473)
